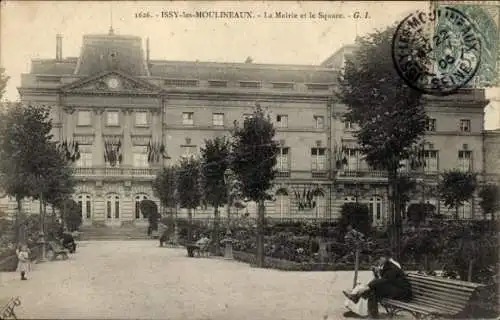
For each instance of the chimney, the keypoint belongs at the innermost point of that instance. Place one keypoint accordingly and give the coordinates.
(59, 47)
(147, 49)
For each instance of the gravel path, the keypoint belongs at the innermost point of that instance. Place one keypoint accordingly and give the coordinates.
(139, 280)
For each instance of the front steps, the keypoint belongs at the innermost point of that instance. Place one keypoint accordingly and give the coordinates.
(113, 233)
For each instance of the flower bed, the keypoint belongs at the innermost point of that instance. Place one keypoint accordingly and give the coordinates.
(287, 265)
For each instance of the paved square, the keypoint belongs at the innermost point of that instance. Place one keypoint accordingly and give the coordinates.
(139, 280)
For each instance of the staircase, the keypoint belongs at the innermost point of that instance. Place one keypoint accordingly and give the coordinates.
(113, 233)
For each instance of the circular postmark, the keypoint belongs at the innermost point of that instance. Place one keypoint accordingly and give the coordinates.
(436, 52)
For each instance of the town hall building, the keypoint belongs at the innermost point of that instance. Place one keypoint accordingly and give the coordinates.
(115, 100)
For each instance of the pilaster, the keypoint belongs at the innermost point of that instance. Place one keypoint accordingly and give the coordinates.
(127, 138)
(98, 151)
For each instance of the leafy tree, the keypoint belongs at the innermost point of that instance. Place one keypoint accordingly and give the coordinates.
(390, 115)
(456, 187)
(59, 183)
(149, 210)
(188, 188)
(490, 199)
(164, 187)
(72, 217)
(357, 215)
(254, 159)
(24, 148)
(3, 82)
(418, 212)
(215, 158)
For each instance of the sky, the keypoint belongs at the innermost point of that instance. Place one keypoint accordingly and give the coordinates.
(28, 31)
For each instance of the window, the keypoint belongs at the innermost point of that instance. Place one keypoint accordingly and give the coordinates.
(320, 122)
(282, 121)
(113, 207)
(218, 119)
(188, 151)
(138, 199)
(430, 125)
(431, 160)
(352, 159)
(85, 160)
(249, 84)
(282, 163)
(85, 205)
(83, 118)
(141, 118)
(464, 125)
(375, 208)
(140, 157)
(318, 159)
(348, 125)
(283, 202)
(112, 118)
(465, 160)
(188, 118)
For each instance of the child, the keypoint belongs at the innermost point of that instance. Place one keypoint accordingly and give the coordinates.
(23, 265)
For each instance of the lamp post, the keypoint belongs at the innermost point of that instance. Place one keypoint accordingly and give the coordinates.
(228, 176)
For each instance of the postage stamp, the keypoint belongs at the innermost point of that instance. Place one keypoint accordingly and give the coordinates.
(437, 52)
(486, 17)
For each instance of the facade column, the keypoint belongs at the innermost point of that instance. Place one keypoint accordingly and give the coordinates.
(69, 124)
(127, 139)
(98, 151)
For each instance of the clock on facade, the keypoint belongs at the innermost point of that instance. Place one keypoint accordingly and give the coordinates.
(113, 83)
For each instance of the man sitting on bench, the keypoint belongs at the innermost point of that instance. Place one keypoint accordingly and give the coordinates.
(390, 282)
(68, 242)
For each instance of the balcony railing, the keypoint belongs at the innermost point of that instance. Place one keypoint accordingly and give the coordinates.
(113, 172)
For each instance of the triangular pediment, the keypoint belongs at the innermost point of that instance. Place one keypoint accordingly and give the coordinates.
(111, 82)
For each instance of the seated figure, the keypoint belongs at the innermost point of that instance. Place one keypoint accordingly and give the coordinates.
(68, 242)
(389, 282)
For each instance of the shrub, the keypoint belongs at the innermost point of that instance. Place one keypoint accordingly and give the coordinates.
(357, 215)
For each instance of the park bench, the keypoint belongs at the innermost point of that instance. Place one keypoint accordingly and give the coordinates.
(193, 248)
(55, 249)
(7, 307)
(435, 297)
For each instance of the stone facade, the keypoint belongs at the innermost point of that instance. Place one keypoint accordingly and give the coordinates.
(112, 92)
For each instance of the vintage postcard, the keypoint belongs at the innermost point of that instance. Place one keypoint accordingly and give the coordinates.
(258, 160)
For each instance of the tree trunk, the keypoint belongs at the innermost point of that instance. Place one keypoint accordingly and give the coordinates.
(260, 234)
(215, 235)
(456, 212)
(190, 227)
(395, 212)
(21, 228)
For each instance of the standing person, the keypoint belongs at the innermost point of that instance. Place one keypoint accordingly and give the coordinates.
(163, 232)
(23, 265)
(390, 282)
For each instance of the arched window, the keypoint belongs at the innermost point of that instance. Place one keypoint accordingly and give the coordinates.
(85, 205)
(375, 208)
(138, 199)
(112, 207)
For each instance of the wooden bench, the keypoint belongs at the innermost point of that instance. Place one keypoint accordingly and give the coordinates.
(435, 297)
(193, 248)
(7, 307)
(55, 249)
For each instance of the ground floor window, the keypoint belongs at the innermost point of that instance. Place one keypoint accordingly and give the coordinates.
(85, 205)
(138, 199)
(283, 205)
(375, 208)
(113, 207)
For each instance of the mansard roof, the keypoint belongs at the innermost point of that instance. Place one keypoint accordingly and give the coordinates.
(109, 52)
